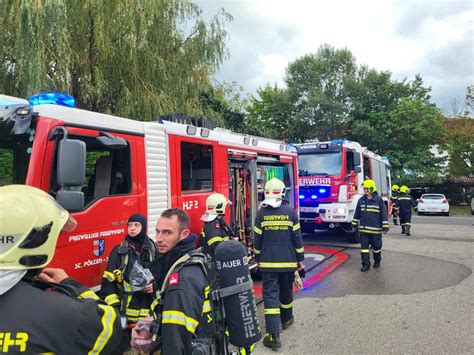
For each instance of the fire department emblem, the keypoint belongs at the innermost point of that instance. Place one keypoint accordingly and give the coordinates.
(99, 246)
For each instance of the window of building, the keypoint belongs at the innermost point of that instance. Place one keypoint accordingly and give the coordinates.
(196, 167)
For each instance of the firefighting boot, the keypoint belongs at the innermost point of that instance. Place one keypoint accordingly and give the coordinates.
(288, 323)
(272, 341)
(395, 221)
(408, 230)
(365, 268)
(403, 229)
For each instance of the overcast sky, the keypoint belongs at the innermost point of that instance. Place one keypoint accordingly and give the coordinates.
(432, 37)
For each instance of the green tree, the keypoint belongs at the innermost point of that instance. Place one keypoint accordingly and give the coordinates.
(134, 58)
(460, 146)
(406, 136)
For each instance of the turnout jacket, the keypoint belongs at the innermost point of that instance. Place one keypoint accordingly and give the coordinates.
(116, 287)
(405, 203)
(278, 244)
(69, 319)
(213, 233)
(371, 215)
(186, 312)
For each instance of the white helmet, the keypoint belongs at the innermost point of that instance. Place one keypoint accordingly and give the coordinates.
(215, 205)
(274, 192)
(30, 224)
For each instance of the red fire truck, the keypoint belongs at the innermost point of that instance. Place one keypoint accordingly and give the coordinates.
(330, 178)
(104, 168)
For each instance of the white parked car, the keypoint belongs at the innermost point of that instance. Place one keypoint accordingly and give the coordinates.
(433, 203)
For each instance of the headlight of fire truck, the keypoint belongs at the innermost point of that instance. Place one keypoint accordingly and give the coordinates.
(339, 211)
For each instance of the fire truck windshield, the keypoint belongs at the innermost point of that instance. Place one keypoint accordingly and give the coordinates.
(15, 152)
(320, 163)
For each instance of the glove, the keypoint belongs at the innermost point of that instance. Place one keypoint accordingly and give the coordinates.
(385, 230)
(118, 275)
(354, 228)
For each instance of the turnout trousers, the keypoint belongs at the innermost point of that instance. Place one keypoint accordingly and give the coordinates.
(405, 219)
(367, 240)
(277, 299)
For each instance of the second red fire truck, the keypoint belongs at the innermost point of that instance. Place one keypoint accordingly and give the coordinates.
(330, 178)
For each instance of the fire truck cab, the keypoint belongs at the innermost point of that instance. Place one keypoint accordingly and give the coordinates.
(330, 178)
(104, 168)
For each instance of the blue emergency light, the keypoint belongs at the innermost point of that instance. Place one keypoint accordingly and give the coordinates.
(314, 197)
(301, 197)
(322, 191)
(52, 98)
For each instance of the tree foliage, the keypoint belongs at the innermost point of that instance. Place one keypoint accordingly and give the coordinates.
(460, 146)
(134, 58)
(328, 96)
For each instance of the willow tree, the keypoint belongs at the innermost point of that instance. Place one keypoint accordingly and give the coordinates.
(135, 58)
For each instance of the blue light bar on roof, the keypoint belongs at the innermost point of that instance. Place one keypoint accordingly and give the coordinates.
(52, 98)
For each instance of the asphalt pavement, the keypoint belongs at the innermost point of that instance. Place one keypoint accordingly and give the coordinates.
(419, 302)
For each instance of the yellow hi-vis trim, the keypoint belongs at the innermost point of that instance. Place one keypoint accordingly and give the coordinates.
(207, 289)
(214, 240)
(108, 320)
(370, 231)
(112, 299)
(257, 230)
(277, 265)
(89, 294)
(296, 227)
(256, 251)
(109, 276)
(365, 251)
(377, 251)
(277, 223)
(355, 222)
(206, 308)
(179, 318)
(286, 306)
(370, 210)
(271, 311)
(300, 250)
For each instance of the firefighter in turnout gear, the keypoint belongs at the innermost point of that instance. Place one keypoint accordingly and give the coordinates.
(394, 198)
(66, 319)
(117, 288)
(182, 307)
(215, 229)
(279, 251)
(370, 220)
(405, 203)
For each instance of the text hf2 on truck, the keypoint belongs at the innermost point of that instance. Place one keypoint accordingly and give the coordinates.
(330, 178)
(104, 168)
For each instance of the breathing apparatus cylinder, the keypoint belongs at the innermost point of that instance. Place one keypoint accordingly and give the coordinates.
(237, 293)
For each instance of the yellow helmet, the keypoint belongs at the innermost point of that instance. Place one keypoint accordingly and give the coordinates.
(369, 185)
(30, 223)
(275, 189)
(404, 189)
(395, 187)
(216, 203)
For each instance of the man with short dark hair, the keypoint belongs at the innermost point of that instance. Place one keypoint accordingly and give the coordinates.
(185, 311)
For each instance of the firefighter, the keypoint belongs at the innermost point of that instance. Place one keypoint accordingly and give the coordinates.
(279, 251)
(394, 198)
(370, 220)
(183, 307)
(215, 229)
(117, 289)
(67, 319)
(405, 203)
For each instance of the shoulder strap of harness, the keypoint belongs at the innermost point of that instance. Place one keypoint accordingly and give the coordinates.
(123, 250)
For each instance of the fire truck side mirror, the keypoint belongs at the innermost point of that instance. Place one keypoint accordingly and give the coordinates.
(357, 169)
(356, 156)
(71, 172)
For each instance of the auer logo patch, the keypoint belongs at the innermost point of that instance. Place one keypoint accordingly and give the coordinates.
(99, 246)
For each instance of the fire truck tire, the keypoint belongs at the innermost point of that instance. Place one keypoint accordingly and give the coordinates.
(352, 237)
